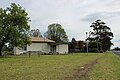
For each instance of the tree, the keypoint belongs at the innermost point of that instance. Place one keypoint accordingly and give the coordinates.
(102, 34)
(14, 26)
(117, 48)
(56, 32)
(73, 44)
(35, 33)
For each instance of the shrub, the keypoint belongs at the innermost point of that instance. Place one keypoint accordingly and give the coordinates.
(95, 50)
(7, 53)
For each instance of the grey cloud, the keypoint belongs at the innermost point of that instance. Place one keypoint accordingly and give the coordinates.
(73, 15)
(100, 15)
(116, 38)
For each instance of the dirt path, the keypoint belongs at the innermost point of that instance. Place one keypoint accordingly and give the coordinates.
(82, 72)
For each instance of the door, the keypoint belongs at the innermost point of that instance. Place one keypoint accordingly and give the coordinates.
(53, 49)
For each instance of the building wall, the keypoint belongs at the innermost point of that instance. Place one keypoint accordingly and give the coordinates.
(62, 49)
(17, 50)
(44, 47)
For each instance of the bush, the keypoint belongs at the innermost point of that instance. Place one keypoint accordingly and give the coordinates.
(95, 50)
(7, 53)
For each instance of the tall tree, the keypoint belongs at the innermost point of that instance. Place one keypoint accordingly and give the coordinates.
(35, 33)
(102, 34)
(73, 44)
(57, 33)
(14, 26)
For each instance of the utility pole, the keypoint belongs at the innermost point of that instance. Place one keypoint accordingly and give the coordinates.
(87, 42)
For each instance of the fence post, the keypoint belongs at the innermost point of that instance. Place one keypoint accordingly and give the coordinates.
(29, 53)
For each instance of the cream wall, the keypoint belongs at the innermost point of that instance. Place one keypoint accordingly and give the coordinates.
(44, 47)
(17, 50)
(62, 49)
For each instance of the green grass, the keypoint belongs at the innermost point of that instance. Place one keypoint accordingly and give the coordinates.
(108, 68)
(46, 67)
(56, 67)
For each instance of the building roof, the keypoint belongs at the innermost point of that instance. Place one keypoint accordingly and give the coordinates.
(60, 43)
(41, 40)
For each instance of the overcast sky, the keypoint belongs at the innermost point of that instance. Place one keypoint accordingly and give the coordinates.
(75, 16)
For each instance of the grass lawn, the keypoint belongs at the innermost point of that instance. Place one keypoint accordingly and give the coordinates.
(57, 67)
(108, 68)
(53, 67)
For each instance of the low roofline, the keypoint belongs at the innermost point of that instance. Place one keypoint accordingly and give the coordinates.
(58, 43)
(41, 40)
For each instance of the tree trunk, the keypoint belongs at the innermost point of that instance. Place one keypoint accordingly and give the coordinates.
(1, 46)
(0, 51)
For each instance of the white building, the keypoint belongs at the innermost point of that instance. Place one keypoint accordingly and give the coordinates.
(44, 45)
